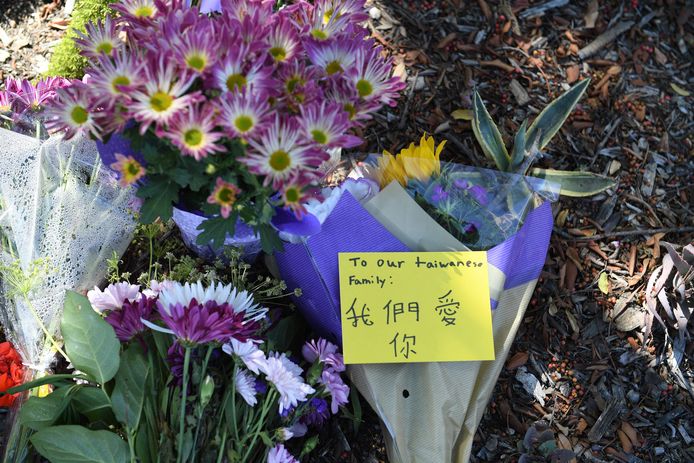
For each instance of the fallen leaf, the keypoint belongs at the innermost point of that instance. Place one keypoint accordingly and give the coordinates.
(447, 40)
(632, 259)
(573, 255)
(572, 73)
(624, 440)
(571, 274)
(518, 359)
(631, 433)
(581, 426)
(591, 15)
(561, 218)
(604, 283)
(659, 56)
(679, 90)
(462, 114)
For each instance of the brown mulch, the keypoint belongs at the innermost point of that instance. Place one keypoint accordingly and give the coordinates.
(610, 395)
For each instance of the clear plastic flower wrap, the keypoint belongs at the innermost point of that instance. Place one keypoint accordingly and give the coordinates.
(62, 217)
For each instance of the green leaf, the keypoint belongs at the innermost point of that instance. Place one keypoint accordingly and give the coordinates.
(269, 239)
(129, 393)
(50, 379)
(604, 283)
(215, 229)
(90, 342)
(287, 334)
(41, 412)
(575, 183)
(93, 403)
(550, 120)
(488, 135)
(77, 444)
(309, 446)
(159, 195)
(519, 149)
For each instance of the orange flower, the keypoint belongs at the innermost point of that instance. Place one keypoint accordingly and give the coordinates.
(11, 372)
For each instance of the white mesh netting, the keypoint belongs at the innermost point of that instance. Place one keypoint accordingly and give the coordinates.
(59, 206)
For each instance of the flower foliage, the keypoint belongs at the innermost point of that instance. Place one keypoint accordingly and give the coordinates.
(234, 111)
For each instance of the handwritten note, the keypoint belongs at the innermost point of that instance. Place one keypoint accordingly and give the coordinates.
(406, 307)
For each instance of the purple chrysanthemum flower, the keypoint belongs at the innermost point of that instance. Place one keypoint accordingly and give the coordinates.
(333, 56)
(32, 98)
(339, 391)
(72, 111)
(280, 153)
(118, 76)
(100, 39)
(325, 352)
(322, 22)
(200, 323)
(163, 95)
(462, 184)
(175, 357)
(317, 412)
(243, 114)
(354, 9)
(232, 73)
(127, 321)
(371, 77)
(6, 100)
(136, 11)
(13, 85)
(327, 125)
(194, 50)
(299, 84)
(279, 454)
(193, 132)
(283, 41)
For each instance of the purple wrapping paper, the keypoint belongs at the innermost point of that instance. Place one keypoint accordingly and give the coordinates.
(313, 265)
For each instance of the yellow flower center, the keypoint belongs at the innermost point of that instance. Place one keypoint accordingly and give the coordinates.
(364, 88)
(226, 196)
(161, 101)
(132, 168)
(279, 53)
(292, 195)
(145, 11)
(279, 160)
(79, 115)
(118, 81)
(319, 34)
(351, 110)
(333, 67)
(319, 137)
(243, 123)
(197, 62)
(235, 81)
(193, 138)
(293, 82)
(105, 48)
(327, 15)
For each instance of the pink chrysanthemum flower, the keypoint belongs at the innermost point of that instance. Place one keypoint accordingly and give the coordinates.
(117, 77)
(371, 78)
(136, 10)
(323, 22)
(241, 9)
(6, 100)
(279, 454)
(243, 114)
(13, 85)
(232, 74)
(288, 383)
(327, 125)
(353, 9)
(224, 195)
(194, 49)
(294, 195)
(193, 132)
(113, 296)
(127, 320)
(128, 168)
(245, 386)
(280, 153)
(163, 95)
(72, 112)
(283, 41)
(333, 56)
(100, 39)
(299, 84)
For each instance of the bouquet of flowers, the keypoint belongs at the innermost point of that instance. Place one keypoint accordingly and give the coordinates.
(414, 202)
(230, 109)
(180, 372)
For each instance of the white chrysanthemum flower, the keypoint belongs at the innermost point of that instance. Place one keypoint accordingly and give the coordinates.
(113, 296)
(278, 454)
(248, 352)
(296, 430)
(245, 386)
(288, 364)
(290, 386)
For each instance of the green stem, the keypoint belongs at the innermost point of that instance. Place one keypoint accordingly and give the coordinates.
(220, 454)
(259, 424)
(151, 257)
(182, 411)
(202, 378)
(50, 338)
(233, 403)
(131, 445)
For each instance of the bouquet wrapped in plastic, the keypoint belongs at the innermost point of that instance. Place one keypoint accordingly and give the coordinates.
(426, 205)
(62, 216)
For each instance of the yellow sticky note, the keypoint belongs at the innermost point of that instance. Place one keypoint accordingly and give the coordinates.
(408, 307)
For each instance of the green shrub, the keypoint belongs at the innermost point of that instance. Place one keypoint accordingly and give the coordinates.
(66, 60)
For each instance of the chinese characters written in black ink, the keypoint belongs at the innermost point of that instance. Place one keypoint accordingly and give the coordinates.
(398, 308)
(448, 309)
(363, 315)
(403, 345)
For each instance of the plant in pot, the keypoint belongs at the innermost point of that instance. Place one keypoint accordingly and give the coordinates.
(228, 115)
